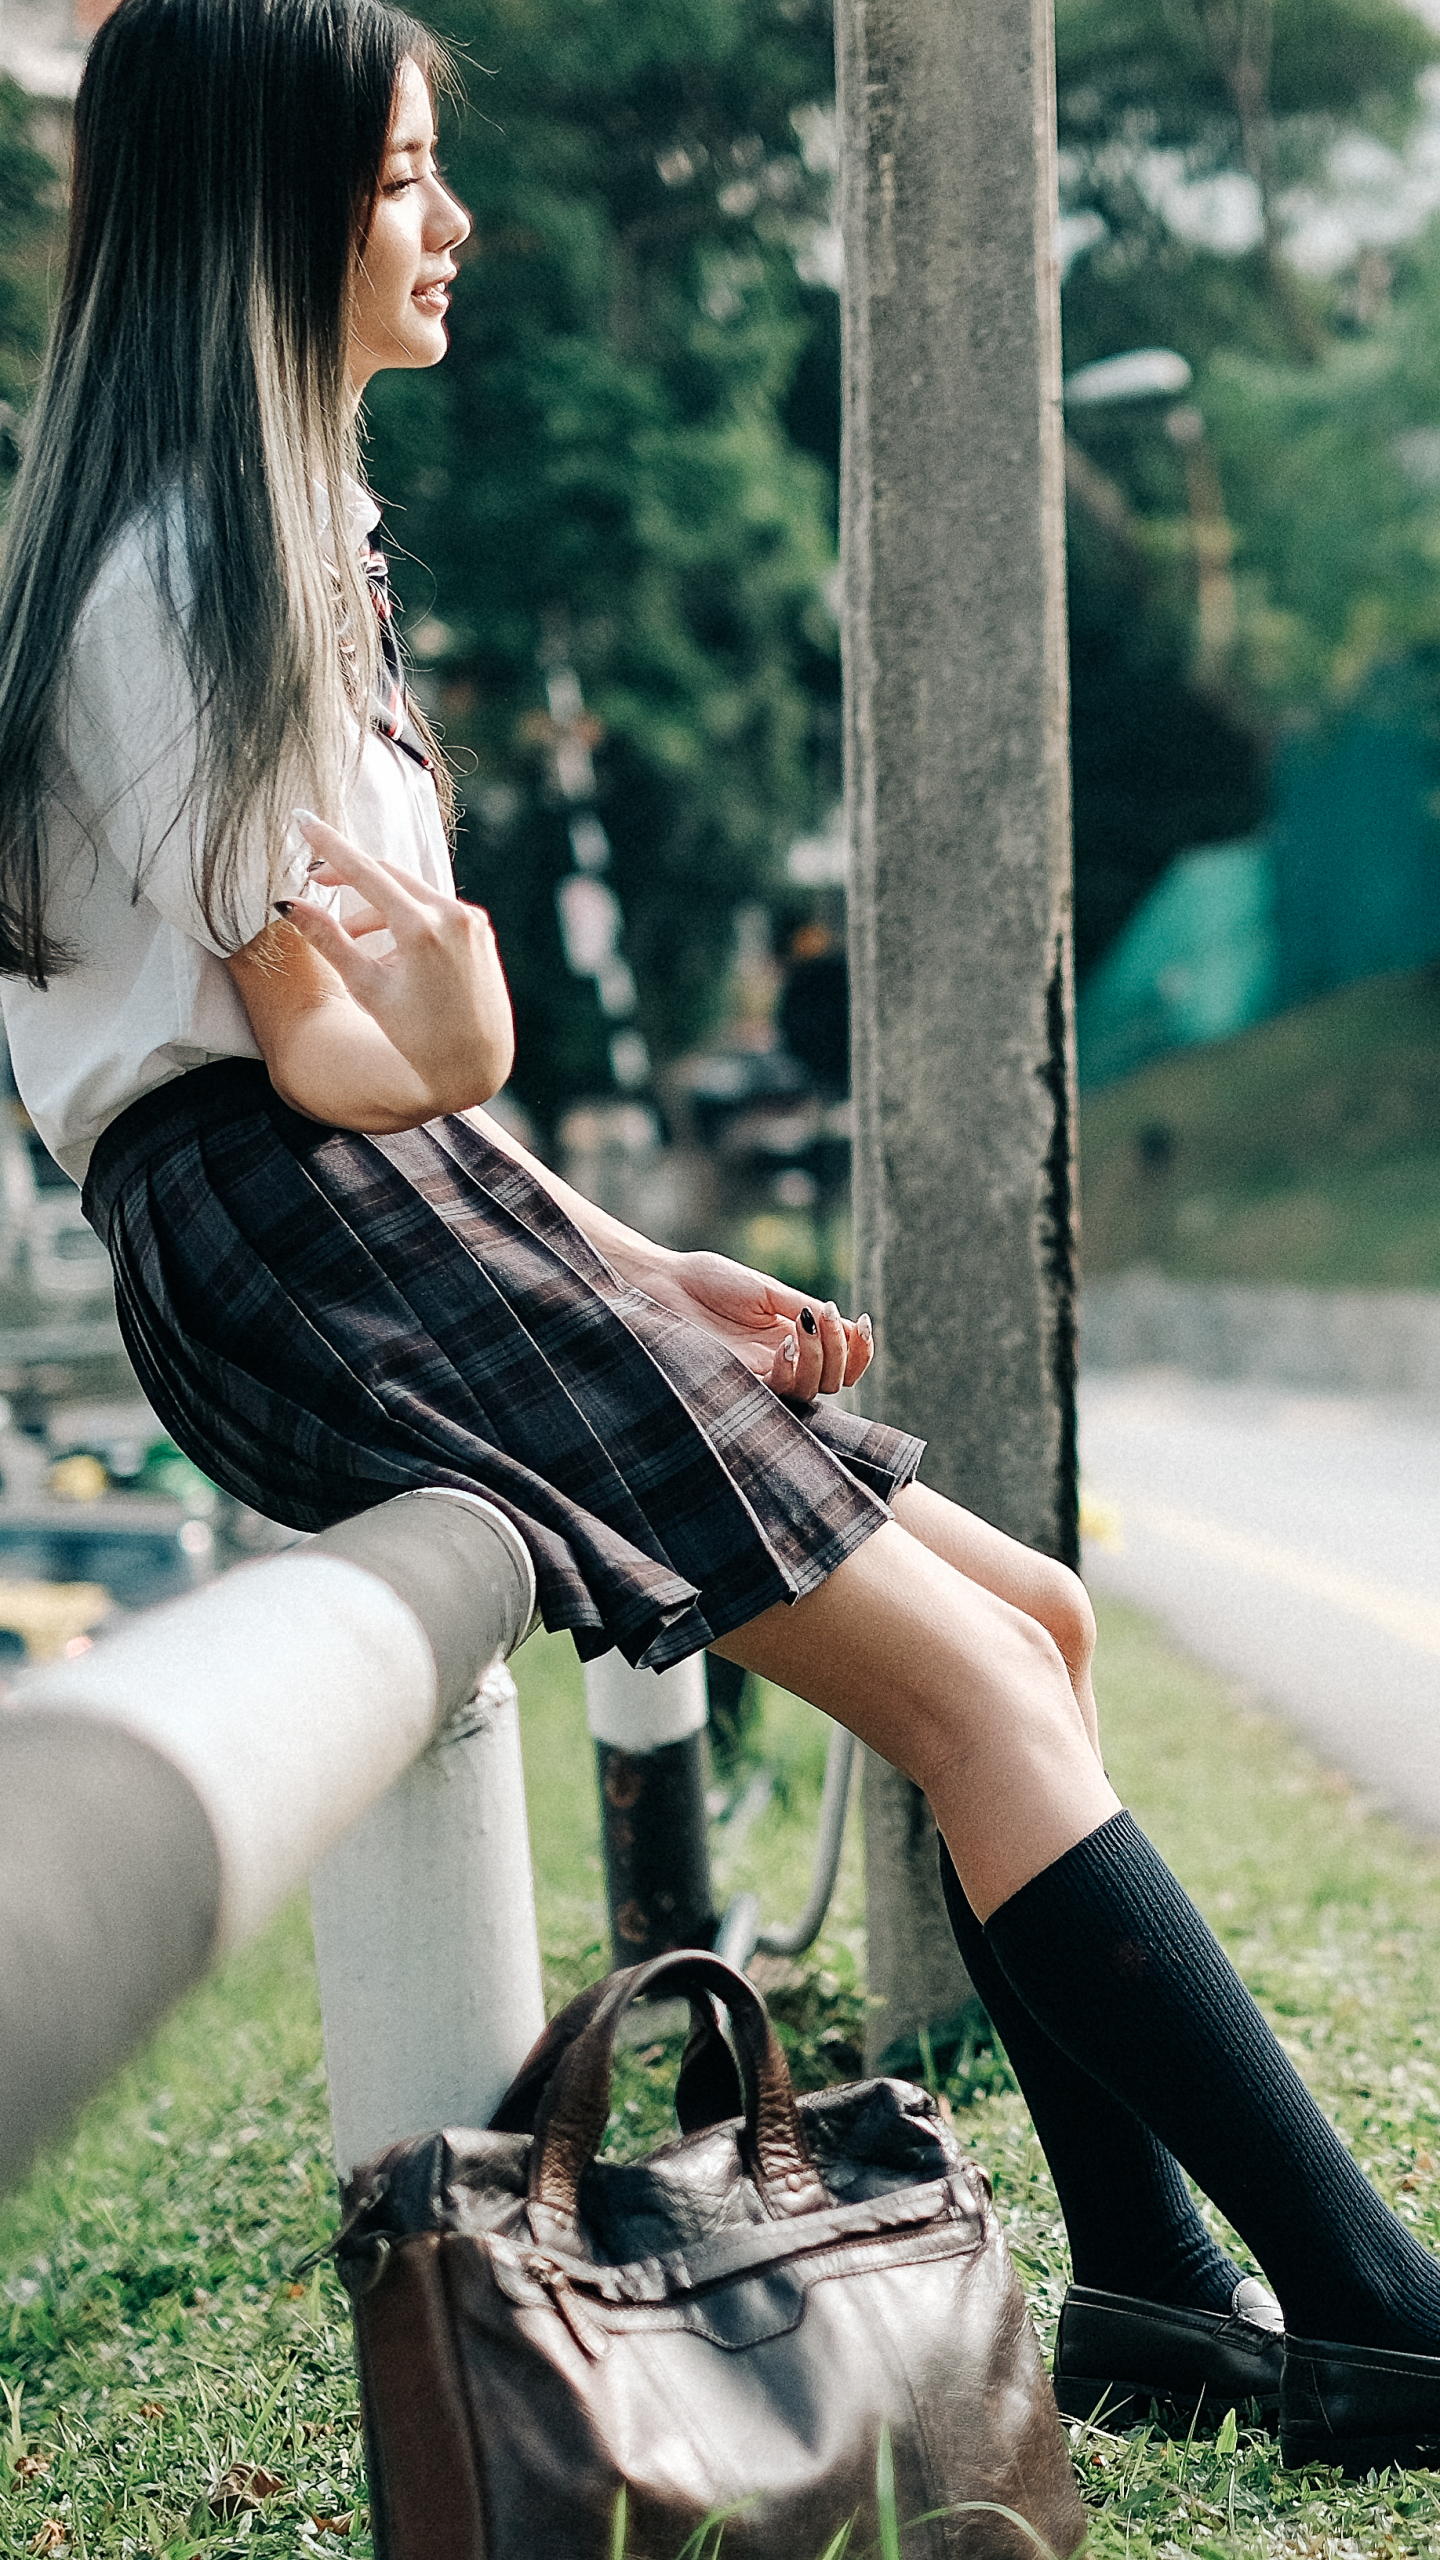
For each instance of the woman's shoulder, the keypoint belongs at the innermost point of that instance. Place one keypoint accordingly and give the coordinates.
(128, 683)
(144, 575)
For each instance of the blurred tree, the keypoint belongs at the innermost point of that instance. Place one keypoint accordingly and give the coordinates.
(32, 233)
(602, 473)
(1294, 467)
(1261, 89)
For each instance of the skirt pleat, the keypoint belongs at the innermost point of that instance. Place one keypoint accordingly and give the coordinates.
(322, 1319)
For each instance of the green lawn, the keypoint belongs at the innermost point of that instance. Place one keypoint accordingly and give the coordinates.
(1305, 1151)
(154, 2338)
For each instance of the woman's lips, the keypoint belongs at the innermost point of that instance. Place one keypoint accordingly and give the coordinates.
(434, 296)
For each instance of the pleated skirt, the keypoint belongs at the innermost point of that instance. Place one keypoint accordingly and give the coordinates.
(323, 1319)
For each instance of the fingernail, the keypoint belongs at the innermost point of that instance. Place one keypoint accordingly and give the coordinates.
(865, 1329)
(284, 906)
(306, 818)
(807, 1321)
(790, 1353)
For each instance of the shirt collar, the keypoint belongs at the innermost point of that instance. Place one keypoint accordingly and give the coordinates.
(361, 514)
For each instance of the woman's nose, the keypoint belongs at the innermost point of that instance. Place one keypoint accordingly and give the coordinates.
(450, 223)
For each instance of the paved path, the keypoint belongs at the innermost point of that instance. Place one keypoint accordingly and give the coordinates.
(1292, 1540)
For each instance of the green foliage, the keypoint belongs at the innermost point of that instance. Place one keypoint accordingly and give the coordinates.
(31, 233)
(1303, 389)
(153, 2335)
(602, 470)
(1164, 70)
(1302, 1152)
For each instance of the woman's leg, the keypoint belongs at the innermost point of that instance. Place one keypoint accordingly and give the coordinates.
(1033, 1583)
(960, 1689)
(1129, 2216)
(1098, 1941)
(1132, 2226)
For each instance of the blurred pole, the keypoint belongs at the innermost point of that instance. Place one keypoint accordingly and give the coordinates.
(648, 1729)
(958, 793)
(1214, 542)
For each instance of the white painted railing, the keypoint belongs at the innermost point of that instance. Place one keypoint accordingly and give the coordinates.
(340, 1711)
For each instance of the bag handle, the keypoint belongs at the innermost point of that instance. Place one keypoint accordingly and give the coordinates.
(575, 2108)
(707, 2091)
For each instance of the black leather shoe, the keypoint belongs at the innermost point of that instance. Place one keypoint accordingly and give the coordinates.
(1359, 2407)
(1114, 2355)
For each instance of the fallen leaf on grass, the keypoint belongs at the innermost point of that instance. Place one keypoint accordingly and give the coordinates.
(152, 2408)
(333, 2524)
(242, 2489)
(51, 2537)
(30, 2465)
(296, 2292)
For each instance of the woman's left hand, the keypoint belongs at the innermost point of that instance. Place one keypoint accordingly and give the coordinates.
(801, 1346)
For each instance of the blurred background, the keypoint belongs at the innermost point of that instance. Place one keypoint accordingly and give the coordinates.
(612, 516)
(612, 523)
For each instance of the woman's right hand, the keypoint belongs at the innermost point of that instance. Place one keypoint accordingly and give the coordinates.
(439, 996)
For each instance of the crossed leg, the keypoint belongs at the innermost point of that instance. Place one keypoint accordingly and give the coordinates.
(964, 1659)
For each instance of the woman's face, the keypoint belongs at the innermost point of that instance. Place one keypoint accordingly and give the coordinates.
(405, 267)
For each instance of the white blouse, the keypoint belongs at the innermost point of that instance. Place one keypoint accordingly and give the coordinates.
(148, 997)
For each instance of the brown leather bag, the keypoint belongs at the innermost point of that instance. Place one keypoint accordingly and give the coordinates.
(722, 2330)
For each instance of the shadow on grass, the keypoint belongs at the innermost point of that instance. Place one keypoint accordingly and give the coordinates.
(707, 2540)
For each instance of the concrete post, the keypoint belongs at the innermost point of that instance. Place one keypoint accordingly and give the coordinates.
(649, 1733)
(425, 1939)
(959, 803)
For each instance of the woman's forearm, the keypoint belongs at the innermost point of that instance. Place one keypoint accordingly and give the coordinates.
(331, 1060)
(335, 1064)
(631, 1254)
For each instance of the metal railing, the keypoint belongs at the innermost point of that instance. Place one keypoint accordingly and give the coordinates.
(342, 1712)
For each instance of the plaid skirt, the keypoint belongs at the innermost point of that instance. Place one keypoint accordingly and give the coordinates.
(322, 1319)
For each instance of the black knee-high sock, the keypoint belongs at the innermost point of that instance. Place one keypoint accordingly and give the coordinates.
(1129, 2216)
(1111, 1957)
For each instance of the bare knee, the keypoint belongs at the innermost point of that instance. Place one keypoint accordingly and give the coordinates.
(1031, 1695)
(1062, 1606)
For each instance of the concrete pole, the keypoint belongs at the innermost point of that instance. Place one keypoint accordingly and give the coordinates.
(425, 1938)
(958, 792)
(648, 1729)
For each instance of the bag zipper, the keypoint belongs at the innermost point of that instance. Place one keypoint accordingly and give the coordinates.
(589, 2337)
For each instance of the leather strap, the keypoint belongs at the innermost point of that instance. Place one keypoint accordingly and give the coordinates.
(575, 2107)
(707, 2091)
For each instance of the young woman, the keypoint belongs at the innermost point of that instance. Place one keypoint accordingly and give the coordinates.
(246, 1010)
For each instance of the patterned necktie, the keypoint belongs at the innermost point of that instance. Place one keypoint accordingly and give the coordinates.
(389, 704)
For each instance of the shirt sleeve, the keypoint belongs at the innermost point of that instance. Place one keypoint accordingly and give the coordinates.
(130, 735)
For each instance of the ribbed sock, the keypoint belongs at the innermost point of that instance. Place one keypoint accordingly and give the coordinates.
(1129, 2216)
(1112, 1959)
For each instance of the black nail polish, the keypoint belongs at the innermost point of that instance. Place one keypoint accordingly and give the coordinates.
(807, 1321)
(284, 906)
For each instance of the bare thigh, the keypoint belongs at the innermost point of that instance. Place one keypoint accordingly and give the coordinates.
(1034, 1583)
(966, 1692)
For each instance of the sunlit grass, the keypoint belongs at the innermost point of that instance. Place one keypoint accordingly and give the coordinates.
(158, 2352)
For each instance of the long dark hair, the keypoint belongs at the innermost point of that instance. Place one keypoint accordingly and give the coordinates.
(228, 157)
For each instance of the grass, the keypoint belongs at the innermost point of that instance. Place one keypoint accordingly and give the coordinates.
(169, 2386)
(1304, 1151)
